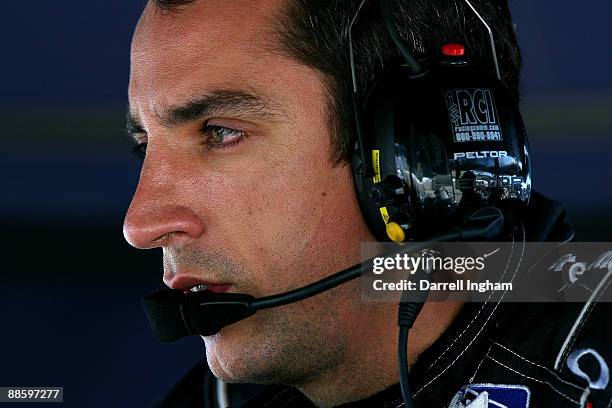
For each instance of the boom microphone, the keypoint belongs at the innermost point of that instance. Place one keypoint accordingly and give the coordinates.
(174, 314)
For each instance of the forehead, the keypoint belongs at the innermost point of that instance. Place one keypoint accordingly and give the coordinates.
(206, 43)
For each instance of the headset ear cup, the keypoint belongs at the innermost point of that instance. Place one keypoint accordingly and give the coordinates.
(439, 146)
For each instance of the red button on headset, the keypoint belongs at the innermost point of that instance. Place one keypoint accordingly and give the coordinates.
(453, 50)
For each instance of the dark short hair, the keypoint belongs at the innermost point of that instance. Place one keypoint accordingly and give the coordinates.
(315, 33)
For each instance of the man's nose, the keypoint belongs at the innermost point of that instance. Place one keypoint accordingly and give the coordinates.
(160, 213)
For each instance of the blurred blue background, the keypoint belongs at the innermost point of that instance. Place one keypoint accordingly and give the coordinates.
(70, 287)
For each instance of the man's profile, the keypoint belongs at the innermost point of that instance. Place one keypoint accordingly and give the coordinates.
(243, 113)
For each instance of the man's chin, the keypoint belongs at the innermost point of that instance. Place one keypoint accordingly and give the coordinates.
(237, 369)
(241, 354)
(227, 354)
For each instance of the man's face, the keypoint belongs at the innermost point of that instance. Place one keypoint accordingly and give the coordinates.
(238, 187)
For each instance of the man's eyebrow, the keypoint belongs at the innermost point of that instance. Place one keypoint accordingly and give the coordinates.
(218, 102)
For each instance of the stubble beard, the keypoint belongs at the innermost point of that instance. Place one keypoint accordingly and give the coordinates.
(290, 345)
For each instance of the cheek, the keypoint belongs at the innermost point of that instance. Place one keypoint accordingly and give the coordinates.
(282, 212)
(270, 215)
(305, 220)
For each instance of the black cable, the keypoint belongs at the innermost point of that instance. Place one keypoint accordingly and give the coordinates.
(403, 366)
(397, 39)
(309, 290)
(338, 278)
(488, 224)
(406, 316)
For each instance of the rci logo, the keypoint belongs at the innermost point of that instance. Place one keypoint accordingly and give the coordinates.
(473, 115)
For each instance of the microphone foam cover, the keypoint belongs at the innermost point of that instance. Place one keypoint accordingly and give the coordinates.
(163, 309)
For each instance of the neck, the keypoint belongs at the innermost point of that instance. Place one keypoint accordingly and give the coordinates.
(371, 365)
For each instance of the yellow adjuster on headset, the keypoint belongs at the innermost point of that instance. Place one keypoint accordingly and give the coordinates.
(395, 232)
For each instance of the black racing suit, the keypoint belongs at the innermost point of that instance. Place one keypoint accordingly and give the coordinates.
(514, 351)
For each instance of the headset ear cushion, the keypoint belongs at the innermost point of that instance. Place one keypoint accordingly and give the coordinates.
(387, 100)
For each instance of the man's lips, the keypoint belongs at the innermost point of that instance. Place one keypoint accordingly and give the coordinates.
(187, 282)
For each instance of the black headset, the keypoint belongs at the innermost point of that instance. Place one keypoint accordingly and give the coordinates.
(441, 154)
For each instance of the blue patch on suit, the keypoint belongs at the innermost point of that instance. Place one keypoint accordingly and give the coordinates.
(491, 396)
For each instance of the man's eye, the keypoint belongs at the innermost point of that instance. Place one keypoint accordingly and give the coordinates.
(220, 137)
